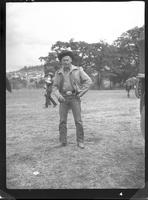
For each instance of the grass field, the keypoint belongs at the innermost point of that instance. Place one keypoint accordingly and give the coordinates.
(114, 148)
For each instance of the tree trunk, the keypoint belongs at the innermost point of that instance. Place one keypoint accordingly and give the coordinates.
(99, 80)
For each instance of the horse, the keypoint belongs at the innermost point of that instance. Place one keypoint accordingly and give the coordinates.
(130, 84)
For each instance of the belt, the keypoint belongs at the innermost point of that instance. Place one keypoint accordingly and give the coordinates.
(69, 93)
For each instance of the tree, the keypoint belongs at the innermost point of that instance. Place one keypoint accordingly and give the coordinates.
(122, 57)
(128, 50)
(50, 62)
(92, 57)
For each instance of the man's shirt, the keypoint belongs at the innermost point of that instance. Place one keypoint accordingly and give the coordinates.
(67, 86)
(77, 79)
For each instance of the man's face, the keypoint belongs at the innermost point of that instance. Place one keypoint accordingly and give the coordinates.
(66, 61)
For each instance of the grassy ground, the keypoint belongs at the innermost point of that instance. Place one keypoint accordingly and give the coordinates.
(114, 148)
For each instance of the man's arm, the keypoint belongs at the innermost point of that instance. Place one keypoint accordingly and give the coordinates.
(86, 82)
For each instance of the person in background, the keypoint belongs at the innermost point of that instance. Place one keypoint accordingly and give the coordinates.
(48, 90)
(70, 84)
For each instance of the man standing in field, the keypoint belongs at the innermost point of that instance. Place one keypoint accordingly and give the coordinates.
(70, 83)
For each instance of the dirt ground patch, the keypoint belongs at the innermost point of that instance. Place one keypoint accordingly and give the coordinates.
(114, 148)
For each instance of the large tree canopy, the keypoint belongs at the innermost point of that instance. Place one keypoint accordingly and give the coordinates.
(128, 49)
(121, 58)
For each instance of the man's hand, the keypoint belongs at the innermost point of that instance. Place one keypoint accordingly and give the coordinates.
(61, 99)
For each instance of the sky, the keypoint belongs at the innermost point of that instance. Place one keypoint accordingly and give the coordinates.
(33, 27)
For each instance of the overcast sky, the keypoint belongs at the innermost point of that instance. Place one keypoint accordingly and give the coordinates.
(31, 28)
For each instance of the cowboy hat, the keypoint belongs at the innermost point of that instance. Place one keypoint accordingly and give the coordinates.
(65, 53)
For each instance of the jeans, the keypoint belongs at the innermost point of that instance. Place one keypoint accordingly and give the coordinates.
(72, 102)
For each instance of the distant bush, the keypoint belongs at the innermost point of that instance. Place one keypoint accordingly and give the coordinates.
(17, 83)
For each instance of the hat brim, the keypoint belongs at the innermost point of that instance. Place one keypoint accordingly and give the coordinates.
(65, 53)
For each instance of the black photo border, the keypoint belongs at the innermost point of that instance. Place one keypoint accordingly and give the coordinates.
(57, 193)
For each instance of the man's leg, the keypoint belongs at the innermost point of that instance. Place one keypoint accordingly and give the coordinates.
(48, 98)
(128, 95)
(63, 111)
(52, 100)
(46, 101)
(76, 109)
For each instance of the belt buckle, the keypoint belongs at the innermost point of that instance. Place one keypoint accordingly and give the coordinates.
(68, 93)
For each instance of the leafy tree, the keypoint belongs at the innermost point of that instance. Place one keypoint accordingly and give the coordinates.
(122, 57)
(92, 57)
(128, 51)
(50, 62)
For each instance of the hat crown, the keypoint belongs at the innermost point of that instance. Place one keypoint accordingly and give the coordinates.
(65, 53)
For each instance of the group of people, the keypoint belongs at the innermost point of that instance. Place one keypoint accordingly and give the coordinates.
(68, 85)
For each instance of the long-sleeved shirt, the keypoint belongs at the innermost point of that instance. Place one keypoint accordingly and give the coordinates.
(79, 80)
